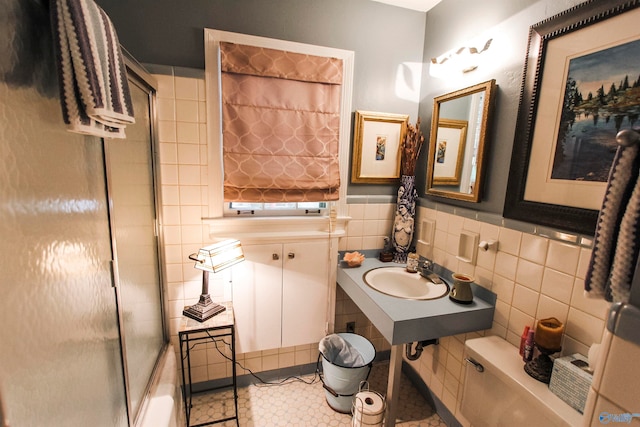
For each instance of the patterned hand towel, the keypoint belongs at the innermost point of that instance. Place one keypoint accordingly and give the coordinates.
(94, 92)
(616, 243)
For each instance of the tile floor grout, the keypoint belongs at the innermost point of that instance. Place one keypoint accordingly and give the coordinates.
(298, 403)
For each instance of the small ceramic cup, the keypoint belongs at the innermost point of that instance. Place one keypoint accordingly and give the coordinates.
(412, 262)
(461, 291)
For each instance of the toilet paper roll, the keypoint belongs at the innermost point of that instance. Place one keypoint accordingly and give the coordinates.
(593, 356)
(368, 407)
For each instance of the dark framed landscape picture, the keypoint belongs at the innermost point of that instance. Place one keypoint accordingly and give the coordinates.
(600, 99)
(581, 86)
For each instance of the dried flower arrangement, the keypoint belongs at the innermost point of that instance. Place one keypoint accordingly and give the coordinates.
(411, 148)
(403, 225)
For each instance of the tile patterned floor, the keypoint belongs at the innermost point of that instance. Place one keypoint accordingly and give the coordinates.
(303, 404)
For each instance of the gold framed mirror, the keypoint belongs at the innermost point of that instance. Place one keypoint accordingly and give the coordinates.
(458, 142)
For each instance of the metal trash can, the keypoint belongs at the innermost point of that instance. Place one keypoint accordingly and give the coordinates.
(341, 382)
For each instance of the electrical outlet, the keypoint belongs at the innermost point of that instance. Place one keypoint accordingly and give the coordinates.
(351, 327)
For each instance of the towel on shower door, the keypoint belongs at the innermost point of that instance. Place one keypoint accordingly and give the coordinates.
(94, 92)
(617, 238)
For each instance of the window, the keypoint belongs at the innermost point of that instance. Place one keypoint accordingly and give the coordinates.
(280, 124)
(276, 209)
(218, 207)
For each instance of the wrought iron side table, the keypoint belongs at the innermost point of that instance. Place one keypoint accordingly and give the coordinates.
(193, 333)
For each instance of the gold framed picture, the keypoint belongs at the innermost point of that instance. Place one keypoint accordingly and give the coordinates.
(377, 147)
(449, 153)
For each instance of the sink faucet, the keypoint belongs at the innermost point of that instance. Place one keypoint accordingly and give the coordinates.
(426, 268)
(426, 271)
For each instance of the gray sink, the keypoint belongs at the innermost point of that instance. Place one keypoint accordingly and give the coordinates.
(401, 319)
(398, 282)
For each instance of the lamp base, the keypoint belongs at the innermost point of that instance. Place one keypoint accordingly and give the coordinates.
(204, 309)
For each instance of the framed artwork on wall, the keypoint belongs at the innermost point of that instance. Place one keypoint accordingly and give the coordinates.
(377, 143)
(581, 86)
(449, 153)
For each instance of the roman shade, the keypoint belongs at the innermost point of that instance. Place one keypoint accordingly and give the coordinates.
(280, 125)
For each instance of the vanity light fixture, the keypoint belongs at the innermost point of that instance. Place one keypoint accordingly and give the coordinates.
(461, 60)
(212, 259)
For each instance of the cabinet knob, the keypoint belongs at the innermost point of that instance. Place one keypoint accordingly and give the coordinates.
(292, 255)
(275, 256)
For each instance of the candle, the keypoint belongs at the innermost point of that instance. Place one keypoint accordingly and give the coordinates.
(549, 334)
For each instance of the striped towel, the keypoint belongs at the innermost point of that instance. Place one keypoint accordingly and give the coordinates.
(94, 92)
(617, 238)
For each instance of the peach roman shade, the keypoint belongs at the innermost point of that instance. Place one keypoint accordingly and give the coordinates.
(280, 125)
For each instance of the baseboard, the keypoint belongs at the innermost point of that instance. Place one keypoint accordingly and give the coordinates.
(433, 400)
(272, 376)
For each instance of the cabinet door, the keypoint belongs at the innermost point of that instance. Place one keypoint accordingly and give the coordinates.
(305, 292)
(257, 298)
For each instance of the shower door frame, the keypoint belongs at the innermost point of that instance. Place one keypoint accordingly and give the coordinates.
(137, 75)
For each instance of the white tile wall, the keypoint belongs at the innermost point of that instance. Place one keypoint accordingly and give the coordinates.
(533, 277)
(370, 223)
(183, 185)
(614, 390)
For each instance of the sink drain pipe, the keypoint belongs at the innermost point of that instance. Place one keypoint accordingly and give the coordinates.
(419, 346)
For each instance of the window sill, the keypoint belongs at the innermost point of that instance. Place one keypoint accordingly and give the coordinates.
(275, 228)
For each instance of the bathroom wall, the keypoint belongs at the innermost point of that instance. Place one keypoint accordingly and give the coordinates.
(614, 393)
(183, 183)
(507, 23)
(177, 60)
(387, 41)
(533, 277)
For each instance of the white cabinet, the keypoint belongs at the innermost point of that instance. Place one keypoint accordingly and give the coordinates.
(281, 295)
(257, 298)
(305, 292)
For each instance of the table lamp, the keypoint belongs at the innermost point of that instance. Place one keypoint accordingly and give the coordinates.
(212, 259)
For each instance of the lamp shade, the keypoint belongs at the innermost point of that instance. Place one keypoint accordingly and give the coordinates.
(219, 255)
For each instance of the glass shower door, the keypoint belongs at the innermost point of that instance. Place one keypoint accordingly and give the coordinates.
(60, 362)
(133, 217)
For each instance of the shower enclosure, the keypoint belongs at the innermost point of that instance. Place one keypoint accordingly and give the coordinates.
(80, 284)
(134, 241)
